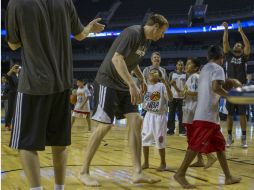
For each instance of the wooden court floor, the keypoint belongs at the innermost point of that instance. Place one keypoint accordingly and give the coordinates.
(112, 164)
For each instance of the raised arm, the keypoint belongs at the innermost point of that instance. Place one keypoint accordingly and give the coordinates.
(226, 47)
(246, 42)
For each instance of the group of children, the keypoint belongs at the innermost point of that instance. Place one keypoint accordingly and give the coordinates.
(200, 115)
(155, 121)
(201, 93)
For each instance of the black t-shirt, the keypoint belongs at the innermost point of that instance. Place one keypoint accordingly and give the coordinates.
(236, 66)
(43, 28)
(132, 44)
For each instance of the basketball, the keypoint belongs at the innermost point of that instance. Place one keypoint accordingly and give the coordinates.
(73, 99)
(229, 84)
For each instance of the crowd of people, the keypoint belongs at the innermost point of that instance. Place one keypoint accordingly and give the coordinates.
(43, 94)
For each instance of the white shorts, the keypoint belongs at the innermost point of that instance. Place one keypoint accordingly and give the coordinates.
(154, 127)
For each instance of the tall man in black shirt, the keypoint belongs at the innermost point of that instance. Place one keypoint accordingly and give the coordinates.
(116, 93)
(236, 68)
(42, 29)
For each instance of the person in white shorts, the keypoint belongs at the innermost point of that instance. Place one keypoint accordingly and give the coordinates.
(190, 94)
(154, 130)
(82, 106)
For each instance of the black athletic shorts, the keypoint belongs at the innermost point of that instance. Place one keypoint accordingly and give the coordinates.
(41, 120)
(110, 102)
(239, 109)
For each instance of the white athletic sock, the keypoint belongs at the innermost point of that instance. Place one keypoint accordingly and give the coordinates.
(59, 187)
(37, 188)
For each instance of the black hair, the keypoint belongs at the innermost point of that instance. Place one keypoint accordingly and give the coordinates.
(195, 61)
(215, 52)
(160, 73)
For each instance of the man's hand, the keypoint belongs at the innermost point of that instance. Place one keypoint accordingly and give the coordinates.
(94, 26)
(225, 24)
(14, 68)
(135, 94)
(240, 29)
(143, 87)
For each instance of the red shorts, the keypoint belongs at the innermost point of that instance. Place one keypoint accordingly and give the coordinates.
(188, 127)
(205, 137)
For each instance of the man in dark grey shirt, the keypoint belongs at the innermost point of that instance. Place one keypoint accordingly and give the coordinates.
(116, 94)
(42, 118)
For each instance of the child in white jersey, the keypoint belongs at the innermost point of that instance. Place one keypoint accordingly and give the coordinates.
(154, 130)
(82, 106)
(205, 135)
(190, 104)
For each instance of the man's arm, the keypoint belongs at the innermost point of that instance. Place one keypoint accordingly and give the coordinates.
(93, 27)
(122, 70)
(11, 71)
(226, 47)
(139, 73)
(14, 46)
(142, 79)
(245, 40)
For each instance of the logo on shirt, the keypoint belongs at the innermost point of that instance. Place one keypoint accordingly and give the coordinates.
(237, 61)
(155, 96)
(141, 51)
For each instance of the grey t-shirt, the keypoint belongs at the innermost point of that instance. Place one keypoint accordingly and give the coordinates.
(132, 44)
(43, 28)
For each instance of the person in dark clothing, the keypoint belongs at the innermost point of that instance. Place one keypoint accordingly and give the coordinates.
(42, 29)
(236, 64)
(12, 77)
(177, 80)
(4, 93)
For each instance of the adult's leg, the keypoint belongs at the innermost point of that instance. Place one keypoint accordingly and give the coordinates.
(72, 121)
(146, 157)
(92, 146)
(181, 172)
(134, 122)
(31, 166)
(88, 119)
(171, 117)
(230, 108)
(59, 154)
(243, 123)
(229, 179)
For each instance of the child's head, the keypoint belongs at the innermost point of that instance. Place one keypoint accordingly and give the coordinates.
(215, 54)
(192, 65)
(80, 82)
(154, 75)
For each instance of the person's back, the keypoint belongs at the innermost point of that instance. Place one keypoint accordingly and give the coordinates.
(44, 28)
(208, 101)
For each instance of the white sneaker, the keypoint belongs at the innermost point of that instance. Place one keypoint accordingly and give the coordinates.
(244, 141)
(230, 141)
